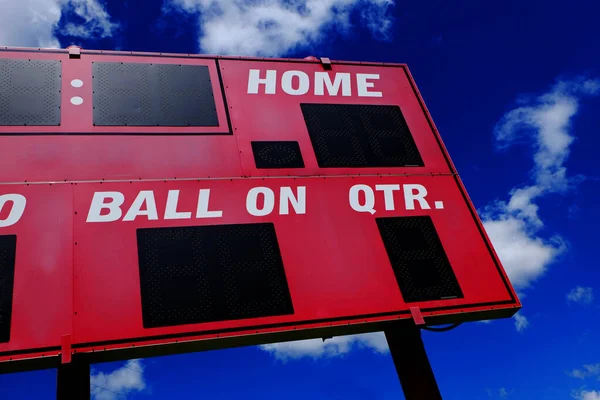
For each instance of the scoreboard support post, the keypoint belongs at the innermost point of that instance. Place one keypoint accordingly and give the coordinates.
(411, 362)
(73, 381)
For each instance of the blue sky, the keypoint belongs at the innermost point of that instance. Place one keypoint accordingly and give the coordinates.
(512, 86)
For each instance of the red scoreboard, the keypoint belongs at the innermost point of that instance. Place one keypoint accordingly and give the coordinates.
(161, 203)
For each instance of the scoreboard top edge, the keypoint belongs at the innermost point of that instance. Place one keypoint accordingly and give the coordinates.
(307, 60)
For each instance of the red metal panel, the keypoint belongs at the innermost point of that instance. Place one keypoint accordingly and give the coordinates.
(43, 286)
(334, 258)
(91, 152)
(80, 158)
(278, 116)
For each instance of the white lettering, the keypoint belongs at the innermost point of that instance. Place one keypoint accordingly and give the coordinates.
(363, 86)
(252, 201)
(298, 83)
(388, 195)
(202, 210)
(286, 195)
(303, 83)
(323, 79)
(99, 204)
(410, 197)
(145, 196)
(16, 212)
(369, 199)
(254, 80)
(171, 209)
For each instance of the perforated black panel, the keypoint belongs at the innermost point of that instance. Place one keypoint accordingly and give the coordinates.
(211, 273)
(8, 246)
(355, 136)
(153, 95)
(30, 92)
(277, 155)
(419, 261)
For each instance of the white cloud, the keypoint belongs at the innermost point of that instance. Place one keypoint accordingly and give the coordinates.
(275, 27)
(588, 370)
(334, 347)
(29, 23)
(521, 322)
(96, 22)
(586, 395)
(33, 23)
(501, 393)
(120, 382)
(514, 226)
(583, 295)
(523, 255)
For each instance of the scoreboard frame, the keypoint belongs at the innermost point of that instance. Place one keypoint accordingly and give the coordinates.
(80, 130)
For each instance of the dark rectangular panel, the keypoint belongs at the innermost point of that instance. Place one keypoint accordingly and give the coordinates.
(419, 261)
(273, 154)
(30, 92)
(8, 246)
(135, 94)
(360, 136)
(211, 273)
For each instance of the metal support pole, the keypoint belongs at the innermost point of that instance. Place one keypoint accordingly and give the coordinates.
(73, 381)
(412, 364)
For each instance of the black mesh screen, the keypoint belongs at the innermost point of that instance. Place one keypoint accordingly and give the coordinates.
(277, 155)
(211, 273)
(153, 95)
(30, 92)
(8, 246)
(420, 264)
(355, 136)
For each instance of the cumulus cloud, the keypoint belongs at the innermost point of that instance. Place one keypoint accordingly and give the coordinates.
(119, 383)
(583, 295)
(521, 322)
(514, 225)
(92, 20)
(29, 23)
(275, 27)
(586, 395)
(34, 23)
(334, 347)
(588, 370)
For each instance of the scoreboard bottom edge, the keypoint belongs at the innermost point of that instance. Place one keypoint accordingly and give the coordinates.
(140, 348)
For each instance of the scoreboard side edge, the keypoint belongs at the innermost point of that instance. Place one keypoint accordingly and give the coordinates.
(461, 186)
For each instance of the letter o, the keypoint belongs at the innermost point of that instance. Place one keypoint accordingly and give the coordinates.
(16, 211)
(252, 201)
(303, 84)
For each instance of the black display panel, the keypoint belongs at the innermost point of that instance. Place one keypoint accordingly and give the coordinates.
(360, 136)
(211, 273)
(135, 94)
(273, 154)
(30, 92)
(8, 246)
(418, 259)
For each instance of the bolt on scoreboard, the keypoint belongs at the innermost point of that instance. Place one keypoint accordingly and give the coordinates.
(161, 203)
